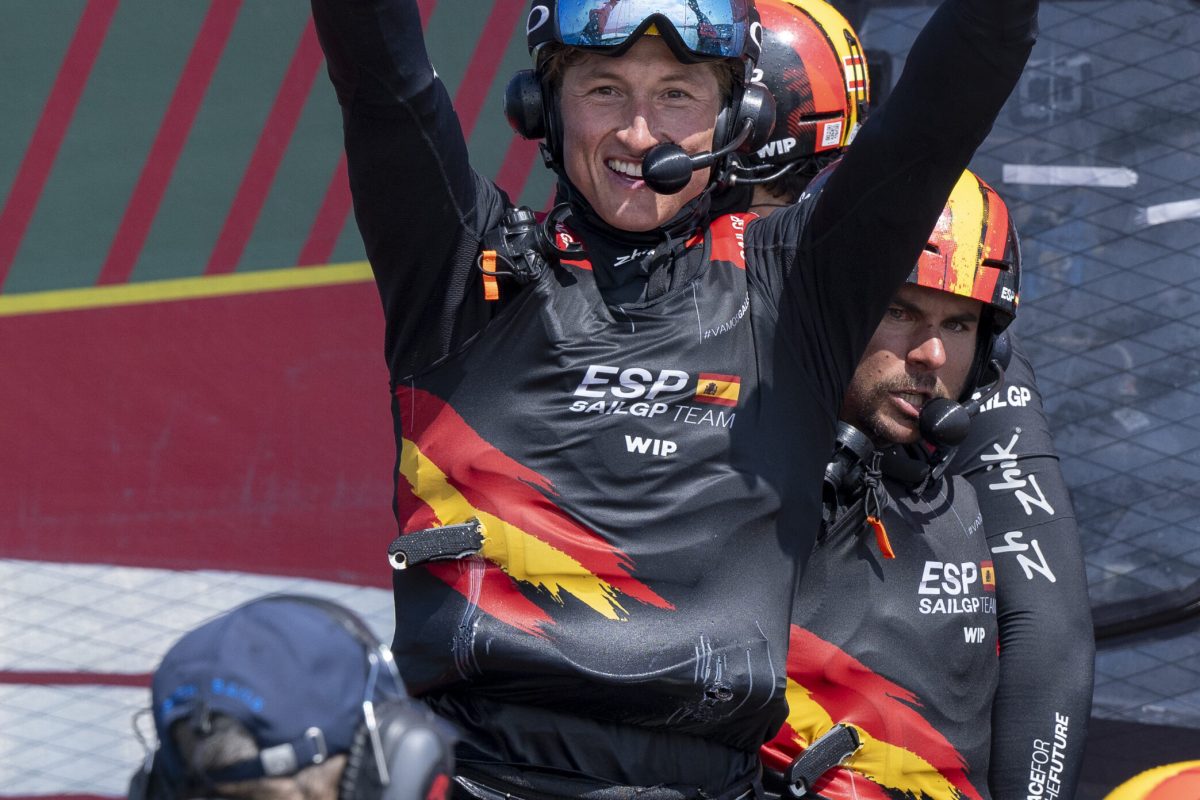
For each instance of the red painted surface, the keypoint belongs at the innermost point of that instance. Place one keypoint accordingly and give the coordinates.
(136, 680)
(244, 433)
(51, 128)
(268, 153)
(169, 142)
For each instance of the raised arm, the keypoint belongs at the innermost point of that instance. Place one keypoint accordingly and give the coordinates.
(418, 203)
(1042, 705)
(856, 235)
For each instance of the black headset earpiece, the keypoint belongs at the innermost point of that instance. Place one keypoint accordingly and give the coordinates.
(757, 106)
(523, 105)
(532, 112)
(418, 749)
(750, 102)
(1002, 349)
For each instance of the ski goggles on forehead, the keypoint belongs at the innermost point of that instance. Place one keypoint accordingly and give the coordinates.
(695, 30)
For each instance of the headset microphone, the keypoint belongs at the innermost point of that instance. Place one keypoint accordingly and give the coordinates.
(666, 168)
(945, 423)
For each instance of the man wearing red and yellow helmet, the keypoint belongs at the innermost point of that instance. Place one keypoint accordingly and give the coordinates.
(893, 639)
(1041, 709)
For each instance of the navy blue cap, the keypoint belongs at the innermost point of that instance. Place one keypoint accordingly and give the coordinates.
(284, 667)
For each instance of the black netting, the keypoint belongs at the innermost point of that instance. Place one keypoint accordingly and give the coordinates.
(1111, 300)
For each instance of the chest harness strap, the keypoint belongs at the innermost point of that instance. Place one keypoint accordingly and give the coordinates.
(447, 543)
(829, 750)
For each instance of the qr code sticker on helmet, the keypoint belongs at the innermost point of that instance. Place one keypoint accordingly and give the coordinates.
(831, 135)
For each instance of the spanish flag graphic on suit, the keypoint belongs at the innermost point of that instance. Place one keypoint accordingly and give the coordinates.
(723, 390)
(987, 573)
(911, 759)
(449, 474)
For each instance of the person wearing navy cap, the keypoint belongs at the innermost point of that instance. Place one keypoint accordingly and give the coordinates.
(289, 697)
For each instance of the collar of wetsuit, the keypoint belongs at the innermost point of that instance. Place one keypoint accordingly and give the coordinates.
(649, 273)
(732, 199)
(908, 464)
(693, 216)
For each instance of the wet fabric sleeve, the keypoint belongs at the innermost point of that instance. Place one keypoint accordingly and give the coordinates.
(1042, 705)
(832, 262)
(420, 207)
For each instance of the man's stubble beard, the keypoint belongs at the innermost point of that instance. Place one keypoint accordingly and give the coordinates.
(878, 423)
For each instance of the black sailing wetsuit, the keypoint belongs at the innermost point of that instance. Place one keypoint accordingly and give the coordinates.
(902, 648)
(1044, 698)
(643, 460)
(1039, 606)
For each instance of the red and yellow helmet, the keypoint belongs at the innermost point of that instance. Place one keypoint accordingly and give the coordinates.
(974, 251)
(813, 64)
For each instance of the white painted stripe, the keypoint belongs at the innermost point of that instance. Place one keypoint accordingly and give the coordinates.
(1040, 175)
(1169, 212)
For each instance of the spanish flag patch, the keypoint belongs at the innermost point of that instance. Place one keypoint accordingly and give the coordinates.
(988, 575)
(722, 390)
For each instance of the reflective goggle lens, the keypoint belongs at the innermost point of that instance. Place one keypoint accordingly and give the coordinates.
(707, 28)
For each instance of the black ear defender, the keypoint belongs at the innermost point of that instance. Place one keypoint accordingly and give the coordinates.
(532, 113)
(1002, 349)
(412, 760)
(523, 105)
(752, 103)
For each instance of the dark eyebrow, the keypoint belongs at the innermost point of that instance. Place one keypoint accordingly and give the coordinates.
(965, 317)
